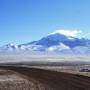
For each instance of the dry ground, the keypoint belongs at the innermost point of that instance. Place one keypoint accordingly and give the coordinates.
(38, 79)
(10, 80)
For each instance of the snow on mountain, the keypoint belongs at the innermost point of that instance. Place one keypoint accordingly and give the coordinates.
(58, 47)
(56, 38)
(9, 47)
(62, 41)
(73, 33)
(33, 47)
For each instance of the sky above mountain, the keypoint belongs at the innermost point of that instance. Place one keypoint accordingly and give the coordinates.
(23, 21)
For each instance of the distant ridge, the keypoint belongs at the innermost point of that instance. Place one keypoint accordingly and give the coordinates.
(59, 42)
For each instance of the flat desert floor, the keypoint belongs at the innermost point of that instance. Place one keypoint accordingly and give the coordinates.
(24, 78)
(37, 72)
(11, 80)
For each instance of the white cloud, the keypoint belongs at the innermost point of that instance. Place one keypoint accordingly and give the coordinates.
(73, 33)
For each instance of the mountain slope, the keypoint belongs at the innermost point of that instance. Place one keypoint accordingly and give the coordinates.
(55, 42)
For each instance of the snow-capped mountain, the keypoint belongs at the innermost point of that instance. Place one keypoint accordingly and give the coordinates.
(9, 47)
(61, 42)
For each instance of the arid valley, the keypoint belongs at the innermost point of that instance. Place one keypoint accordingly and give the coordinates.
(44, 73)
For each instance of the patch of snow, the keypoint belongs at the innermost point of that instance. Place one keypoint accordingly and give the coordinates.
(72, 33)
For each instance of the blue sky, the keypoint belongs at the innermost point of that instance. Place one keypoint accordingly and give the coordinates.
(22, 21)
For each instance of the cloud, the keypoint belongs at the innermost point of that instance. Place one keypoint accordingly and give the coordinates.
(73, 33)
